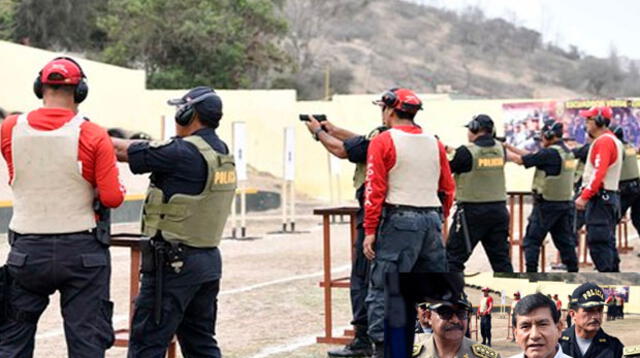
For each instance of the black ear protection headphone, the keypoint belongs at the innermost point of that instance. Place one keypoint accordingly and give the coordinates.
(549, 133)
(599, 119)
(81, 89)
(474, 126)
(390, 99)
(184, 114)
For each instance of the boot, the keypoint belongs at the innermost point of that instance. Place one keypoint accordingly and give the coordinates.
(360, 346)
(379, 352)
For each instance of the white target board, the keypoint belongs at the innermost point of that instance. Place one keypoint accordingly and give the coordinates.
(289, 159)
(168, 126)
(240, 149)
(335, 165)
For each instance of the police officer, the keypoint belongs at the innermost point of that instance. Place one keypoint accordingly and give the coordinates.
(553, 209)
(629, 180)
(189, 198)
(599, 195)
(56, 242)
(347, 145)
(481, 212)
(585, 338)
(449, 322)
(407, 175)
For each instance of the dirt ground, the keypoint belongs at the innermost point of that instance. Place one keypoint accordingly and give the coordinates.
(270, 304)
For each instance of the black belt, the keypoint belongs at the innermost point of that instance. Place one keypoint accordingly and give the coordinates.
(419, 209)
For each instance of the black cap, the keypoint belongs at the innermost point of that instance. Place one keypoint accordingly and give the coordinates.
(550, 125)
(205, 101)
(445, 289)
(587, 295)
(483, 121)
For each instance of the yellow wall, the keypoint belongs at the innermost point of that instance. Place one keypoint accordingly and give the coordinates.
(511, 285)
(118, 98)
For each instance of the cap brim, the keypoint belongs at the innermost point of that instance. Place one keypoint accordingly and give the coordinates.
(585, 113)
(378, 103)
(591, 304)
(176, 102)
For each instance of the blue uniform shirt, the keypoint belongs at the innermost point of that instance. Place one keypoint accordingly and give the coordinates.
(176, 167)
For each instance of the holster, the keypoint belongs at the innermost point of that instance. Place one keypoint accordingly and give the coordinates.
(103, 224)
(148, 261)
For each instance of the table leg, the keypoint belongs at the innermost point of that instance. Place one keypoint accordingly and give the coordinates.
(328, 324)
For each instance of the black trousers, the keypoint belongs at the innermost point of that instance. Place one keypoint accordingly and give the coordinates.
(189, 308)
(485, 329)
(487, 223)
(359, 279)
(601, 216)
(77, 266)
(556, 218)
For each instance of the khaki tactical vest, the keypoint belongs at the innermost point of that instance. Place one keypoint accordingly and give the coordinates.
(556, 187)
(194, 220)
(485, 182)
(360, 175)
(50, 194)
(629, 164)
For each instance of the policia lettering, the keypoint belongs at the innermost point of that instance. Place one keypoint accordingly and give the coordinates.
(487, 173)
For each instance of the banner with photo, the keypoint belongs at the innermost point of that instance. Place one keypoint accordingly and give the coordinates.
(626, 113)
(622, 291)
(523, 121)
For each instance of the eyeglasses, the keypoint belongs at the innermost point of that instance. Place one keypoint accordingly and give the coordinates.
(446, 312)
(423, 306)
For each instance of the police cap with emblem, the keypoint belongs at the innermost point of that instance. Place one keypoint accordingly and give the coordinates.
(587, 295)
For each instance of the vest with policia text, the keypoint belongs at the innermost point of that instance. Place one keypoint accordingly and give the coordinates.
(50, 194)
(485, 182)
(629, 164)
(612, 177)
(194, 220)
(360, 175)
(556, 187)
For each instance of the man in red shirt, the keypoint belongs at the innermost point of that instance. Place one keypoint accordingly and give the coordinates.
(599, 196)
(407, 174)
(59, 164)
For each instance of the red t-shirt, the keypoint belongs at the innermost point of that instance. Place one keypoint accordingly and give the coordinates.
(381, 158)
(604, 152)
(95, 151)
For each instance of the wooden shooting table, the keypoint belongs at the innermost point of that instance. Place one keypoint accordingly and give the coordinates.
(132, 241)
(327, 282)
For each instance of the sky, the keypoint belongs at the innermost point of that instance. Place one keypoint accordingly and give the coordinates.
(594, 26)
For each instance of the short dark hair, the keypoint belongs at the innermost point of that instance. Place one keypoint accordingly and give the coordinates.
(532, 302)
(70, 89)
(208, 122)
(405, 115)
